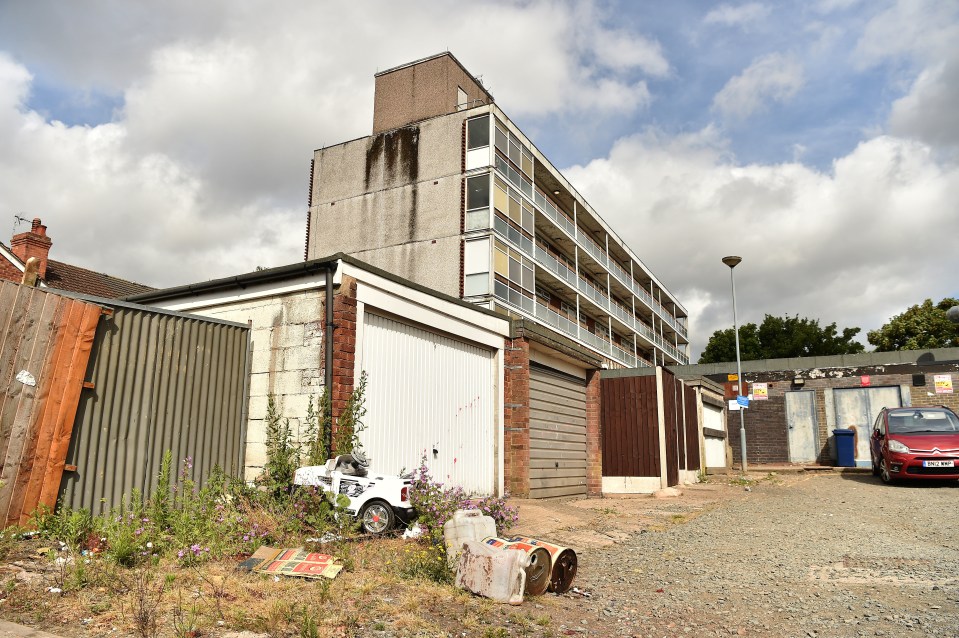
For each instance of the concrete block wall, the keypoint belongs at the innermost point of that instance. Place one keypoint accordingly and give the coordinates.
(286, 361)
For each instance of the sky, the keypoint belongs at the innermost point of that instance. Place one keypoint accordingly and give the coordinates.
(169, 143)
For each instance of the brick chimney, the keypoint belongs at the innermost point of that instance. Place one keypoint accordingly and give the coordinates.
(33, 244)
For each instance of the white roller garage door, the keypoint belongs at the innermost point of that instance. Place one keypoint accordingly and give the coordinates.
(557, 434)
(426, 392)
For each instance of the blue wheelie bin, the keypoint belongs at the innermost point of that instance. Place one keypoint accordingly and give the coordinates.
(845, 447)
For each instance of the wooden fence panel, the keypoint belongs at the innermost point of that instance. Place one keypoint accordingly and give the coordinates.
(693, 462)
(47, 337)
(630, 426)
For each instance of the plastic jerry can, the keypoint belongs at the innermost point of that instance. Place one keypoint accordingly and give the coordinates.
(466, 525)
(497, 574)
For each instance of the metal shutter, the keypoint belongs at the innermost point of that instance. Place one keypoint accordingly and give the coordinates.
(557, 434)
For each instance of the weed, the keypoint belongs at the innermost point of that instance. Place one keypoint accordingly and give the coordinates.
(426, 562)
(185, 618)
(308, 626)
(495, 632)
(379, 625)
(146, 601)
(349, 424)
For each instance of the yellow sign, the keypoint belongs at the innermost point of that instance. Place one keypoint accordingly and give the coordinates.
(732, 377)
(760, 392)
(943, 383)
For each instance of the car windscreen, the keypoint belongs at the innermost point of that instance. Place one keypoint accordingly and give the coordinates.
(922, 422)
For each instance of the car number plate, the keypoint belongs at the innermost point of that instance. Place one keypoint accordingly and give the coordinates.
(938, 463)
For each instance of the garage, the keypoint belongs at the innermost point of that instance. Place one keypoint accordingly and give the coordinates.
(857, 408)
(557, 433)
(428, 393)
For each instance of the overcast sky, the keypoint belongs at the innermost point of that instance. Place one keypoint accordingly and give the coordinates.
(170, 142)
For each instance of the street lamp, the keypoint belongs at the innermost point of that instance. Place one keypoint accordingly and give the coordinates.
(733, 261)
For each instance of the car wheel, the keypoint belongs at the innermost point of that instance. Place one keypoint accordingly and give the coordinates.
(884, 472)
(377, 517)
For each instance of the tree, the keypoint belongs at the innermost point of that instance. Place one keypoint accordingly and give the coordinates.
(922, 326)
(780, 338)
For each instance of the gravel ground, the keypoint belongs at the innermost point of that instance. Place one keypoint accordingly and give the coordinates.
(821, 555)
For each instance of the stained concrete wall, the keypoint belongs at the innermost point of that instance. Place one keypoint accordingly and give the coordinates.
(287, 360)
(395, 201)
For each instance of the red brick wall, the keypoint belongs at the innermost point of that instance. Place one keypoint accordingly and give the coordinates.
(344, 345)
(766, 427)
(9, 272)
(516, 417)
(594, 450)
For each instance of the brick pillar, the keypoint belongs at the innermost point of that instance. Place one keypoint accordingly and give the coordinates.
(344, 345)
(594, 449)
(516, 413)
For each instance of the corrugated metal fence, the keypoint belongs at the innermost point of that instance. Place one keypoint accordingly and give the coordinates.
(162, 381)
(44, 349)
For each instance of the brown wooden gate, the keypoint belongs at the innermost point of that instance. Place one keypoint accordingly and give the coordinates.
(630, 426)
(44, 350)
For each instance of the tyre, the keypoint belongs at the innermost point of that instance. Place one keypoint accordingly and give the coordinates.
(377, 517)
(884, 472)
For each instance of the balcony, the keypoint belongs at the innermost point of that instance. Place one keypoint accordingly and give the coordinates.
(558, 268)
(592, 248)
(593, 293)
(513, 235)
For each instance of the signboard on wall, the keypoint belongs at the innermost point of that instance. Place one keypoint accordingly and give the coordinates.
(760, 392)
(943, 383)
(865, 381)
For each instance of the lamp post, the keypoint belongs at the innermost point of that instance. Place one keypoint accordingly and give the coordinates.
(733, 261)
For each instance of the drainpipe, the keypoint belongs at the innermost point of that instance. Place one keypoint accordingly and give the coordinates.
(328, 349)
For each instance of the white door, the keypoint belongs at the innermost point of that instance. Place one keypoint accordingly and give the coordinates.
(802, 426)
(428, 395)
(715, 445)
(857, 408)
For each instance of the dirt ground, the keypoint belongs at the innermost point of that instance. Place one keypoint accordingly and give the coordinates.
(780, 554)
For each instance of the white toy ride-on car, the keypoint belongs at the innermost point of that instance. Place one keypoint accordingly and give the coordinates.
(378, 501)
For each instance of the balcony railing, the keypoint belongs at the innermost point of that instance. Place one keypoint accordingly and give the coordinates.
(623, 315)
(550, 210)
(556, 320)
(513, 297)
(591, 247)
(628, 357)
(513, 235)
(593, 293)
(555, 266)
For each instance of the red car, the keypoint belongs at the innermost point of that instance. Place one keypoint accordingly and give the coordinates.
(915, 443)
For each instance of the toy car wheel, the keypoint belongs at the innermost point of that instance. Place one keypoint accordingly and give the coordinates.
(377, 517)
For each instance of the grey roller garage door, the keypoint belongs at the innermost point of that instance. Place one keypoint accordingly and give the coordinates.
(557, 437)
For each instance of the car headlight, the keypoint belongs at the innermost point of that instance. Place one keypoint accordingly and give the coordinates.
(898, 446)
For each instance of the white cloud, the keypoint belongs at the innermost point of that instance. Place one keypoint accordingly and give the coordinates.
(203, 170)
(844, 246)
(771, 78)
(741, 15)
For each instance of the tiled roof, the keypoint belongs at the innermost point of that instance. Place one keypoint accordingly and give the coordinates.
(75, 279)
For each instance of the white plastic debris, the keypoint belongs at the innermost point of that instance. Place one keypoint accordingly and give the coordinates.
(413, 532)
(497, 574)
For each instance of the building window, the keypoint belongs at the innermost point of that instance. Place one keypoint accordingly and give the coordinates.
(477, 132)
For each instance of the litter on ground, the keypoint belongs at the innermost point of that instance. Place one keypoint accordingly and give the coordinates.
(292, 562)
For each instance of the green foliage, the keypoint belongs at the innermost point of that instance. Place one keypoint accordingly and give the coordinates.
(73, 527)
(350, 422)
(282, 452)
(921, 326)
(435, 503)
(426, 561)
(781, 338)
(317, 430)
